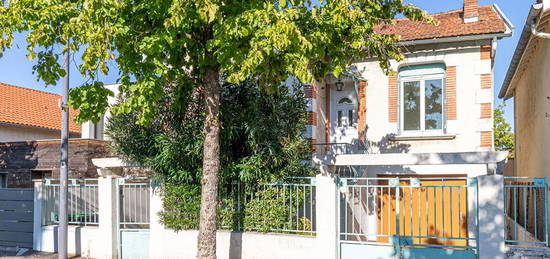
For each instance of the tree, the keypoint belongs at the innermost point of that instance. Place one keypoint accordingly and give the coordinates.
(504, 137)
(170, 145)
(174, 47)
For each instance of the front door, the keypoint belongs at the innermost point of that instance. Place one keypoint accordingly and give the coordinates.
(343, 120)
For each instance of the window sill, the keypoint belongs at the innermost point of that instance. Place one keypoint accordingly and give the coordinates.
(420, 138)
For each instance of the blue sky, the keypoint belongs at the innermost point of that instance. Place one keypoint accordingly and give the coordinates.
(16, 69)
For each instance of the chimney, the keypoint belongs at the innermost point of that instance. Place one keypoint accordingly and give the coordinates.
(470, 11)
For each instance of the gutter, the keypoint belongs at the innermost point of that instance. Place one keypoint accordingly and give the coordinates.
(33, 127)
(455, 39)
(524, 40)
(543, 35)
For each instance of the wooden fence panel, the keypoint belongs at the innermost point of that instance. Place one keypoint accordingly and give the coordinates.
(16, 216)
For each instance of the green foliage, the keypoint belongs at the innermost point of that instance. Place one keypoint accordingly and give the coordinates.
(162, 47)
(266, 212)
(269, 209)
(252, 153)
(180, 204)
(504, 137)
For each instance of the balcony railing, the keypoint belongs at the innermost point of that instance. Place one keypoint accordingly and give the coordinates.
(338, 148)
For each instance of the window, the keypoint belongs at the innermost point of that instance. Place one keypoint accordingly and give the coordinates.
(3, 180)
(346, 113)
(421, 94)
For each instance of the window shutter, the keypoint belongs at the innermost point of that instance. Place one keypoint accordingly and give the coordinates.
(362, 114)
(451, 93)
(392, 97)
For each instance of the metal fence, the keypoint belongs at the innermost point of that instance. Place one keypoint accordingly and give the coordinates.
(525, 207)
(414, 212)
(134, 198)
(287, 206)
(82, 205)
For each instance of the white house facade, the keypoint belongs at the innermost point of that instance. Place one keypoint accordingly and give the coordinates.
(438, 99)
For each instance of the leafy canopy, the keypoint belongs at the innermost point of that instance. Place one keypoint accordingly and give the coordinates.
(251, 153)
(504, 137)
(170, 42)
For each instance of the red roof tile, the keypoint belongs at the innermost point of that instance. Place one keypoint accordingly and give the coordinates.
(451, 24)
(31, 107)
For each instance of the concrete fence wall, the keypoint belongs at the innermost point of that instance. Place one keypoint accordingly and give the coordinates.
(103, 241)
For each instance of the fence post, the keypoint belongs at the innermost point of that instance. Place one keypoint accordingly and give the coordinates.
(108, 229)
(491, 222)
(156, 247)
(37, 216)
(326, 197)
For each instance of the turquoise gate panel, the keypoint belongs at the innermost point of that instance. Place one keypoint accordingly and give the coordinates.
(430, 253)
(133, 217)
(366, 251)
(134, 244)
(363, 251)
(408, 217)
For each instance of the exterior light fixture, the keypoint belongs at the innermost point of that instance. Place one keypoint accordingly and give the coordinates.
(339, 85)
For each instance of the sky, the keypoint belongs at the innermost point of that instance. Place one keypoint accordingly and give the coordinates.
(17, 70)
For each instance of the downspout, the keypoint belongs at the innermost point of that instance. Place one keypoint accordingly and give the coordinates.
(494, 47)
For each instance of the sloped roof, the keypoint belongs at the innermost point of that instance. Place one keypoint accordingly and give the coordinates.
(24, 106)
(451, 24)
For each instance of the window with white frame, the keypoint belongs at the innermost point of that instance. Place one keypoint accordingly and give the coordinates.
(422, 98)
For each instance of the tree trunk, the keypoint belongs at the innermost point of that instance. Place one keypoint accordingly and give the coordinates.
(210, 165)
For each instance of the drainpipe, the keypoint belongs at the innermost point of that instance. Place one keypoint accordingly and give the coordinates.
(494, 47)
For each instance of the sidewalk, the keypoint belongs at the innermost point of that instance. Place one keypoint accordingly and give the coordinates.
(29, 254)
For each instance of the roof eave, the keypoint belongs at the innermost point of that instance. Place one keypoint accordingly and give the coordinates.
(519, 53)
(35, 127)
(455, 39)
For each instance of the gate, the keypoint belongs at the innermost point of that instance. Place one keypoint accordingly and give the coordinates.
(395, 217)
(16, 217)
(526, 210)
(133, 217)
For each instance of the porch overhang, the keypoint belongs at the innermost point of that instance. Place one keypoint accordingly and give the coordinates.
(452, 158)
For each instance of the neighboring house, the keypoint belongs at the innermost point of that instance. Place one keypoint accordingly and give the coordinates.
(30, 129)
(28, 114)
(438, 99)
(527, 81)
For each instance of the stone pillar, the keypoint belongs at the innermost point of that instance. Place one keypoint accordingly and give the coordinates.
(326, 198)
(37, 216)
(491, 216)
(108, 218)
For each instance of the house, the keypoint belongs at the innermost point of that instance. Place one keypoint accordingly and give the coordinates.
(438, 99)
(428, 124)
(30, 128)
(415, 151)
(527, 82)
(28, 114)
